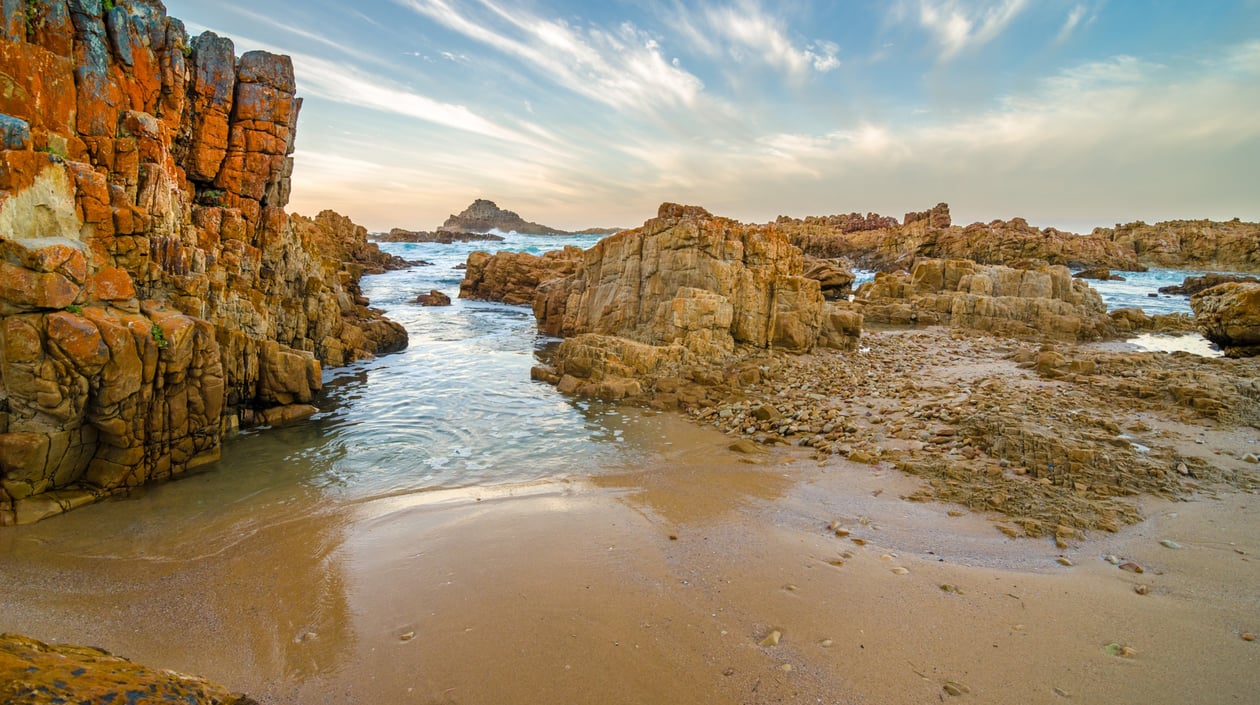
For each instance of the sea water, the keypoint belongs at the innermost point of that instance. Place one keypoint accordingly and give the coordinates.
(455, 409)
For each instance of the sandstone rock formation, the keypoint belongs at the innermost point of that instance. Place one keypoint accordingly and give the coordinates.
(483, 216)
(445, 237)
(1045, 301)
(686, 287)
(514, 277)
(1190, 244)
(1229, 315)
(881, 243)
(153, 290)
(34, 672)
(930, 234)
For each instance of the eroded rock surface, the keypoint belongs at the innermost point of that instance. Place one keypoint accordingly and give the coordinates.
(153, 290)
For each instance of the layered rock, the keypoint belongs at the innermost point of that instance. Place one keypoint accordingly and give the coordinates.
(1190, 244)
(686, 287)
(482, 216)
(153, 290)
(930, 234)
(514, 277)
(1229, 315)
(34, 672)
(1045, 301)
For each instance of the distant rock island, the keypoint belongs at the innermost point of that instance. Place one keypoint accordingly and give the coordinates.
(483, 216)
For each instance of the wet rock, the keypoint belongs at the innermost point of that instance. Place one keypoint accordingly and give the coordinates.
(1229, 315)
(433, 298)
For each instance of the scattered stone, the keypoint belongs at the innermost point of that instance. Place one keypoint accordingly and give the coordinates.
(1112, 559)
(1247, 636)
(826, 643)
(900, 570)
(1062, 693)
(1169, 543)
(1064, 560)
(408, 636)
(842, 532)
(771, 639)
(748, 447)
(955, 688)
(1131, 567)
(1141, 589)
(786, 668)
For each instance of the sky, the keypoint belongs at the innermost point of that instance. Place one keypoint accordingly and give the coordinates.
(1072, 114)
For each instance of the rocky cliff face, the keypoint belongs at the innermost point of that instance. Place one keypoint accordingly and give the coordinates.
(483, 216)
(1045, 302)
(153, 289)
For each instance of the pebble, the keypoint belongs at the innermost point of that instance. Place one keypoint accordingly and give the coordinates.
(1131, 567)
(1114, 560)
(1169, 543)
(954, 688)
(1251, 458)
(786, 668)
(1141, 589)
(859, 542)
(900, 571)
(1062, 693)
(826, 643)
(1063, 560)
(772, 639)
(842, 532)
(407, 637)
(1248, 636)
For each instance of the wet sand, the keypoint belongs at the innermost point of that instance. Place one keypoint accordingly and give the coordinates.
(661, 584)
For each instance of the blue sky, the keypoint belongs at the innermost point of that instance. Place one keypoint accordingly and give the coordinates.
(1069, 113)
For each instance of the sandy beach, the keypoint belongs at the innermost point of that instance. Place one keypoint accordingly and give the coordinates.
(668, 584)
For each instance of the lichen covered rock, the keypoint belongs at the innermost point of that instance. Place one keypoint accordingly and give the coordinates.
(36, 673)
(153, 291)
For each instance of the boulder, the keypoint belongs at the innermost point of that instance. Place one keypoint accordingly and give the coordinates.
(433, 298)
(1099, 274)
(1229, 315)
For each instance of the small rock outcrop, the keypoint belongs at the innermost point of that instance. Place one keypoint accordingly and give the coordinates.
(483, 216)
(433, 298)
(1193, 285)
(34, 672)
(686, 287)
(1042, 302)
(1229, 315)
(154, 293)
(514, 277)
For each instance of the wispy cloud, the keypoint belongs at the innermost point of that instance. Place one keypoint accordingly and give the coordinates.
(959, 26)
(1073, 20)
(749, 31)
(622, 67)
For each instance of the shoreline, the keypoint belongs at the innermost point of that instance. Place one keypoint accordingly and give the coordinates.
(659, 584)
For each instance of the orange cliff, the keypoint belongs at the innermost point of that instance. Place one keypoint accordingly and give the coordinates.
(154, 293)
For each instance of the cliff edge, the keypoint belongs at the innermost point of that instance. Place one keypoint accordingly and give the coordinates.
(154, 293)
